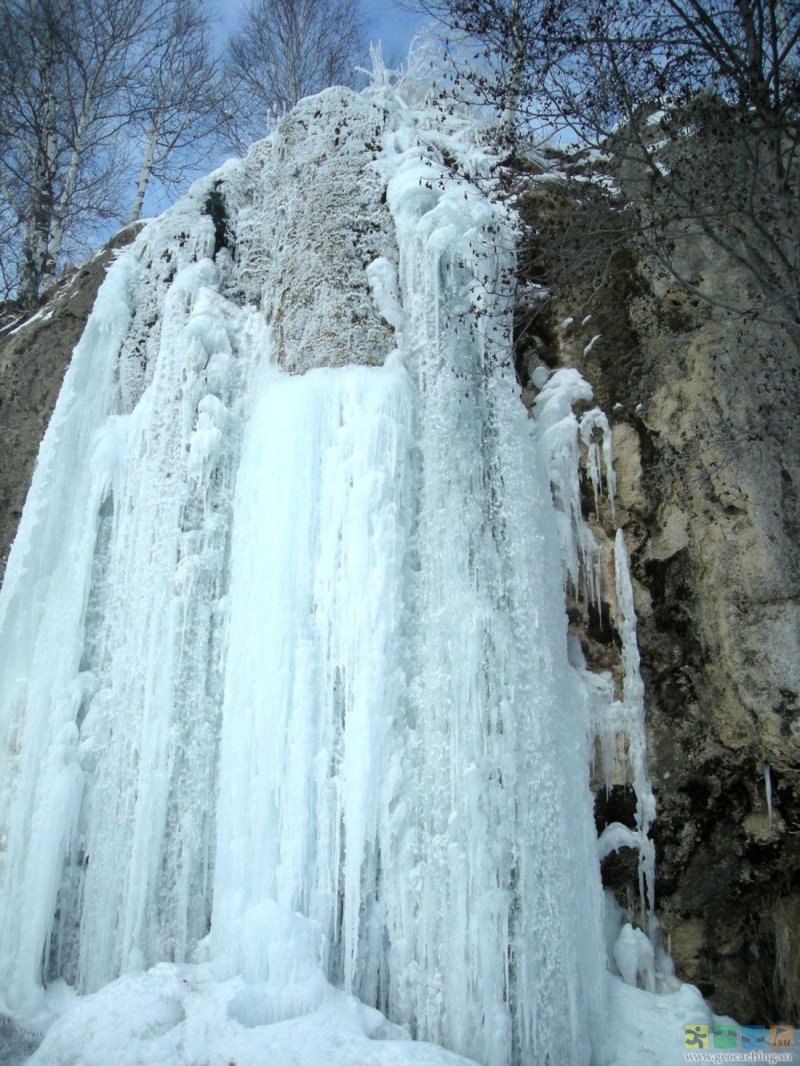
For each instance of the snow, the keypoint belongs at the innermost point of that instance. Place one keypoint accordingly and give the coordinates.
(650, 1028)
(41, 315)
(587, 349)
(181, 1014)
(615, 836)
(633, 953)
(560, 433)
(292, 738)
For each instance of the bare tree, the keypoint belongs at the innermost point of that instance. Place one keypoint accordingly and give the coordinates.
(178, 101)
(697, 101)
(283, 51)
(65, 64)
(76, 76)
(32, 127)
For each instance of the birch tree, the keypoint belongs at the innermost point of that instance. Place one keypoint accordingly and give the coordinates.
(178, 104)
(109, 51)
(81, 82)
(285, 50)
(32, 126)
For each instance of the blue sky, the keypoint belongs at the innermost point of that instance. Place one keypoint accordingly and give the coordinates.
(390, 24)
(386, 22)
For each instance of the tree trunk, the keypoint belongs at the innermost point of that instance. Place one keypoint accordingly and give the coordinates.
(145, 170)
(68, 190)
(513, 86)
(37, 229)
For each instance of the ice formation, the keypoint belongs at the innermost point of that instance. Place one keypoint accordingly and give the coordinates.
(284, 678)
(578, 447)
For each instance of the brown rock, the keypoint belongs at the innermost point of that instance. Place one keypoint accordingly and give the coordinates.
(705, 411)
(35, 350)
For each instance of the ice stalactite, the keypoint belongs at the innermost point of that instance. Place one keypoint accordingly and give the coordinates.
(111, 631)
(492, 824)
(631, 721)
(313, 673)
(561, 433)
(614, 719)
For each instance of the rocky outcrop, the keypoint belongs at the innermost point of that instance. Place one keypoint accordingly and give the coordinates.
(307, 233)
(704, 409)
(35, 349)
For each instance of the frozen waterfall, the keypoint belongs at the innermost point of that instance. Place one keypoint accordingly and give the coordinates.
(286, 711)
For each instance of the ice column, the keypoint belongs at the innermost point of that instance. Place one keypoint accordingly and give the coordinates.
(561, 432)
(490, 887)
(110, 631)
(313, 679)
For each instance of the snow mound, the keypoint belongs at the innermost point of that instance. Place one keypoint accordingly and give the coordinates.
(178, 1014)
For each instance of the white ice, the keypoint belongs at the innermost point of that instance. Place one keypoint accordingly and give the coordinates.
(287, 714)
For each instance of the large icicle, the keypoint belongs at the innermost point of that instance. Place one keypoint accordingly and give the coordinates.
(613, 720)
(560, 432)
(631, 721)
(492, 808)
(41, 685)
(114, 585)
(153, 768)
(313, 681)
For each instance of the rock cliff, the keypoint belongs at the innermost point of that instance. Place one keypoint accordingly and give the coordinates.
(704, 409)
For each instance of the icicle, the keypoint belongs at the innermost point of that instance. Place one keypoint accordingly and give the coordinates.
(768, 790)
(559, 431)
(592, 424)
(482, 805)
(618, 726)
(312, 673)
(633, 721)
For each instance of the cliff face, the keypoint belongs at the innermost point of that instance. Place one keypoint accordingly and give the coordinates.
(704, 410)
(35, 349)
(719, 572)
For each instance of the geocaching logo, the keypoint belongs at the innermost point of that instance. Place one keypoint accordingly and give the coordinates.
(738, 1038)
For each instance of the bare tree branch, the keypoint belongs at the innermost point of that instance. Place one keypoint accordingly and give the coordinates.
(285, 50)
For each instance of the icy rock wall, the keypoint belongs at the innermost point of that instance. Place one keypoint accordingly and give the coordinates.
(707, 440)
(577, 449)
(302, 638)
